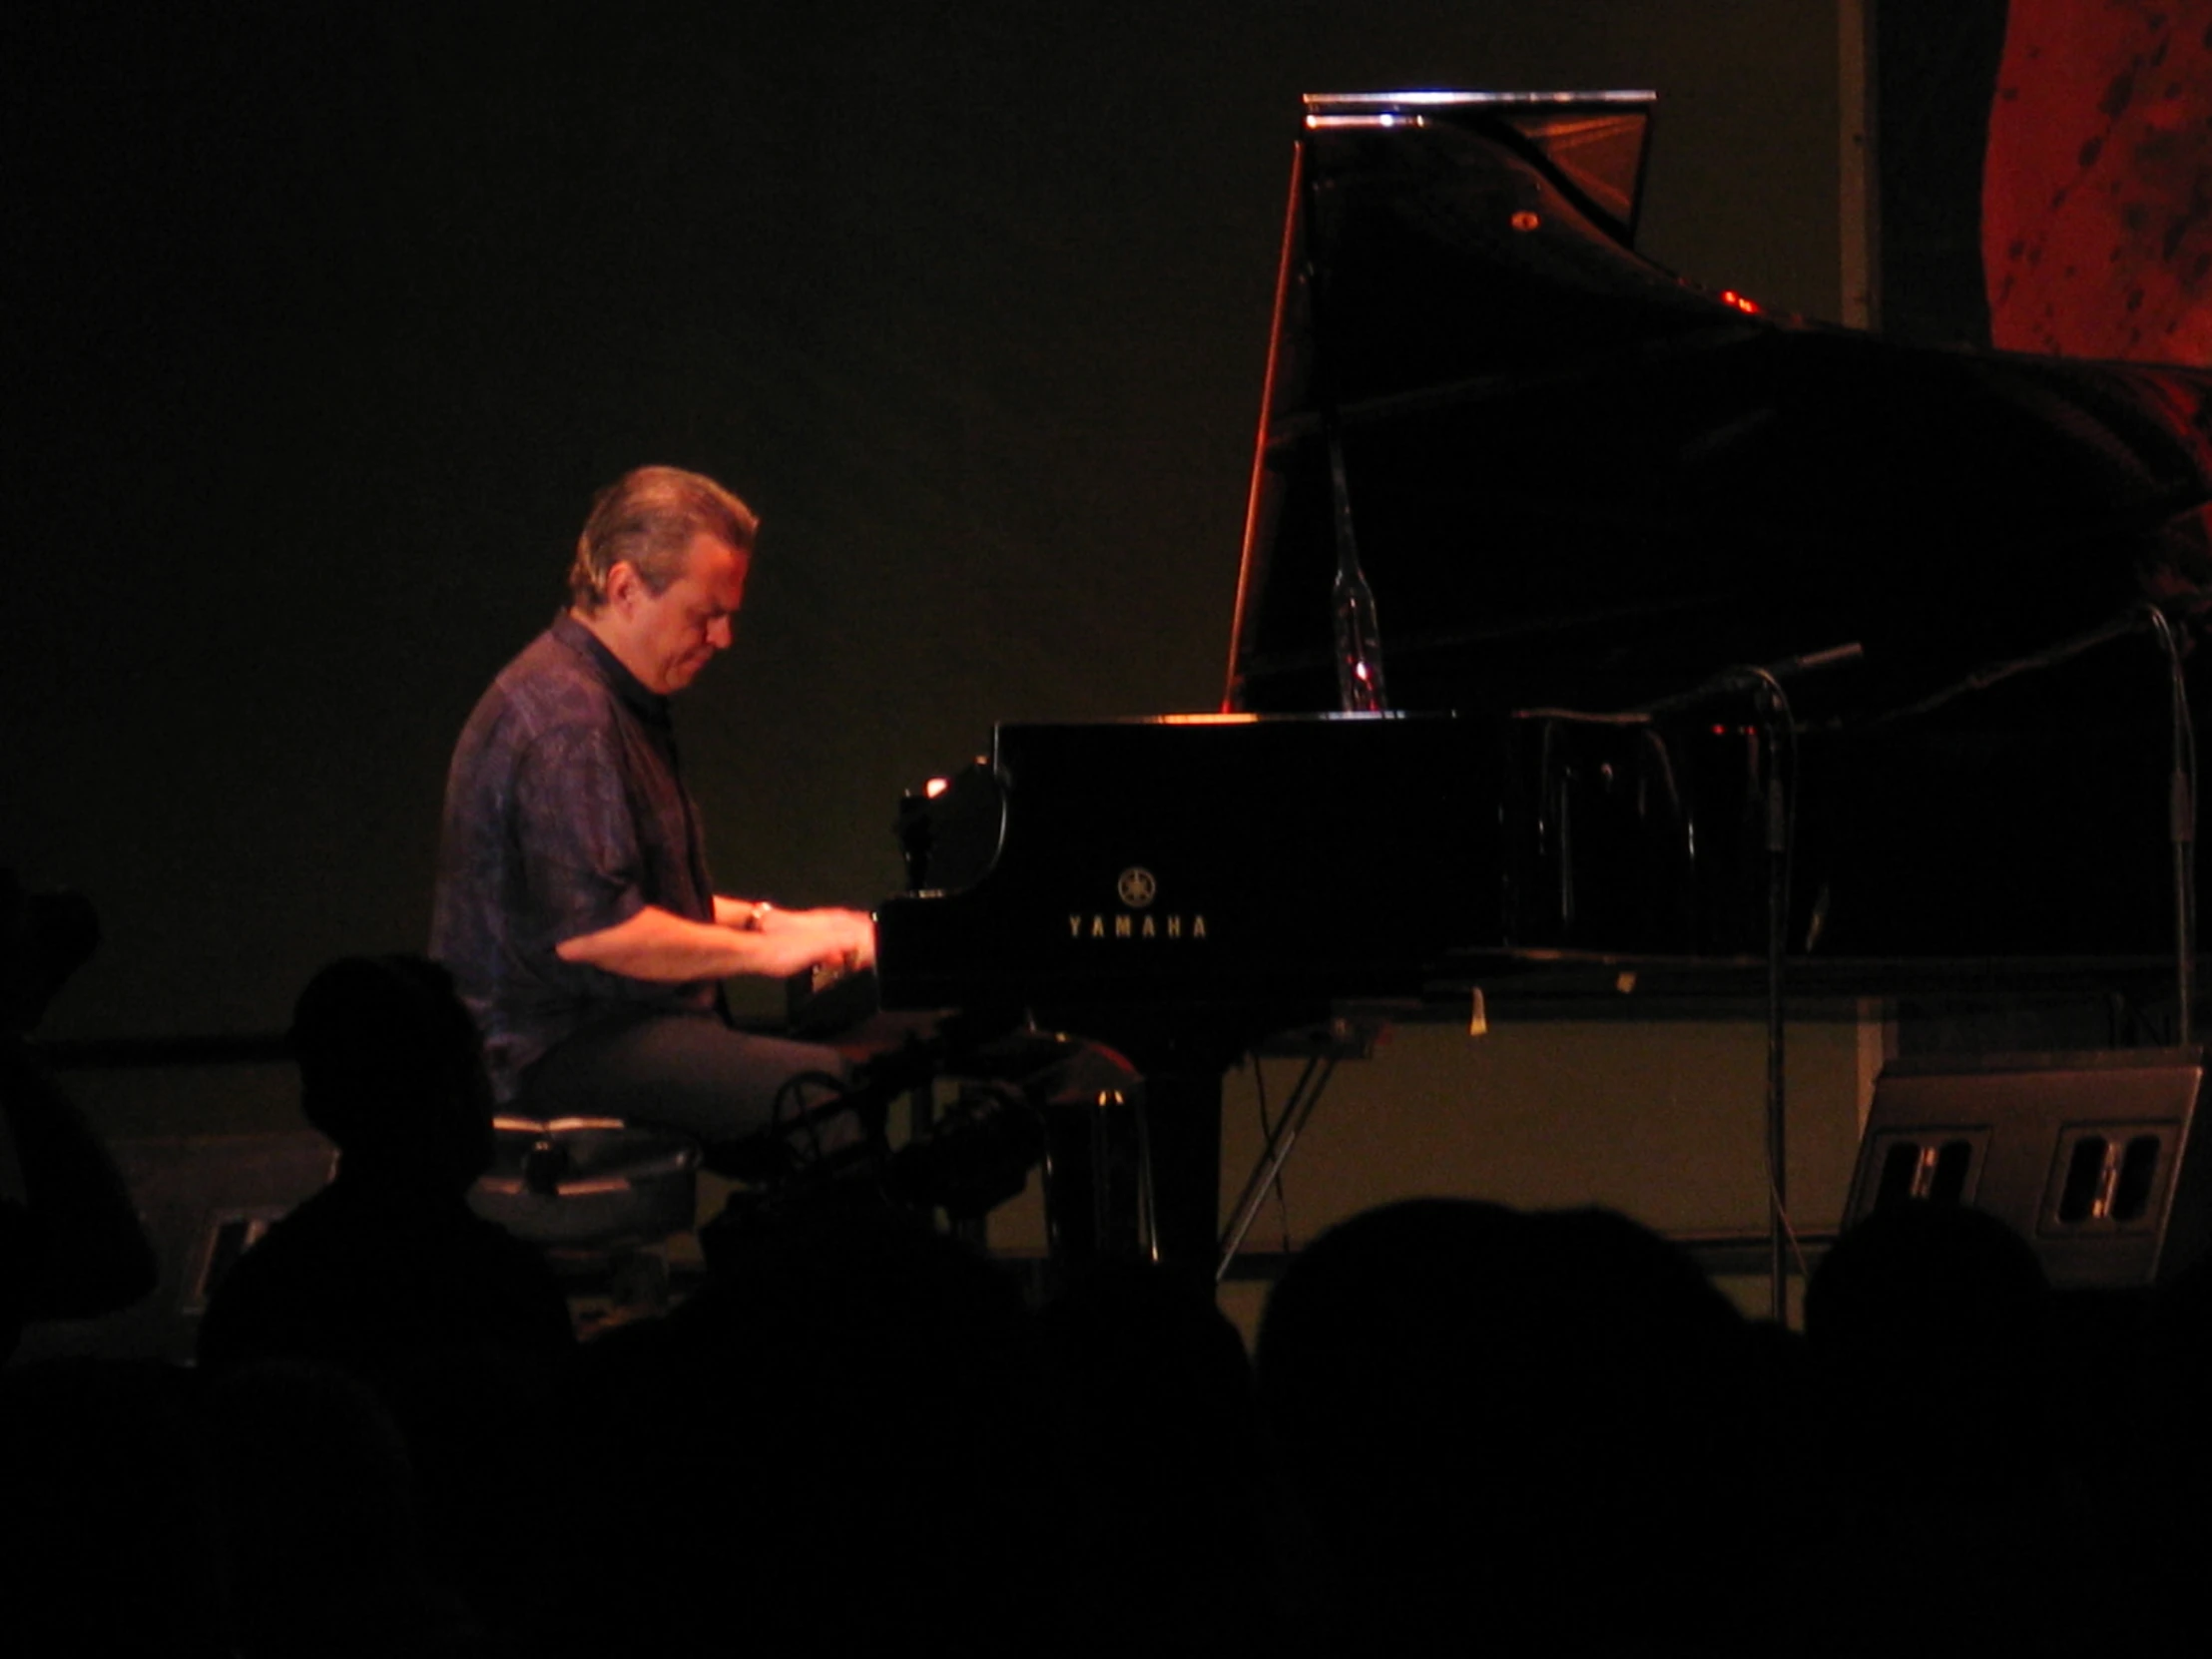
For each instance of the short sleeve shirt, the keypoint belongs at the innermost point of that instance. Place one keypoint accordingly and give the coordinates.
(565, 815)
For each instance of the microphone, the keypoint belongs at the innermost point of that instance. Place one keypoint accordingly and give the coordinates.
(1789, 668)
(1766, 676)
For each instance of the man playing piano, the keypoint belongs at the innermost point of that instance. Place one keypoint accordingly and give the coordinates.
(573, 904)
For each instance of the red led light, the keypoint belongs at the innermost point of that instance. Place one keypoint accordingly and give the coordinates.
(1750, 307)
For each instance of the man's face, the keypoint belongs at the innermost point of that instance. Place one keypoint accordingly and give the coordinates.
(664, 638)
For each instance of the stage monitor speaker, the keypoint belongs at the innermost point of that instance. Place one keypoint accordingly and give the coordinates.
(2097, 1158)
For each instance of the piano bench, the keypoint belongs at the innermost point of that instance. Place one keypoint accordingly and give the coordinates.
(587, 1185)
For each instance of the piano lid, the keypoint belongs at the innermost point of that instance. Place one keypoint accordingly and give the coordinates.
(1594, 143)
(1576, 477)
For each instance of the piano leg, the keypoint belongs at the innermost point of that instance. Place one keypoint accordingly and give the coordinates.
(1145, 1181)
(1098, 1183)
(1182, 1114)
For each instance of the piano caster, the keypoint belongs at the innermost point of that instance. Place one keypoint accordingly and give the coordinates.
(1099, 1198)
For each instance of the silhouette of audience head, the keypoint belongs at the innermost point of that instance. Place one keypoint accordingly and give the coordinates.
(1159, 1469)
(1917, 1278)
(863, 1390)
(1504, 1429)
(1929, 1325)
(391, 1069)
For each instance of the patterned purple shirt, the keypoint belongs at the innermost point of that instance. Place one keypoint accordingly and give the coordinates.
(565, 815)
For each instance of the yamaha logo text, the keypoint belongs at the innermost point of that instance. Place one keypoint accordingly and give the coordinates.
(1137, 890)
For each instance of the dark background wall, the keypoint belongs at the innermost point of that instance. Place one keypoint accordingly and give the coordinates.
(322, 323)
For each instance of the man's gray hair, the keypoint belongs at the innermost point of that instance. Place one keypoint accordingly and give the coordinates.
(647, 519)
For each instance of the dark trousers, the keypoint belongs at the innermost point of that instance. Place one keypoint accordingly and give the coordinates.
(687, 1071)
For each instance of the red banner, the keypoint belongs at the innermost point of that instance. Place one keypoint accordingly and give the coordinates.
(2096, 208)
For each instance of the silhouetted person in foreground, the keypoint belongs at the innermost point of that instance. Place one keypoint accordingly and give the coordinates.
(388, 1265)
(1927, 1324)
(2171, 1463)
(327, 1557)
(71, 1245)
(833, 1448)
(1960, 1521)
(1512, 1434)
(111, 1515)
(1157, 1441)
(389, 1276)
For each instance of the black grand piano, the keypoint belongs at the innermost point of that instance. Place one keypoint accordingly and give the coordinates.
(1587, 617)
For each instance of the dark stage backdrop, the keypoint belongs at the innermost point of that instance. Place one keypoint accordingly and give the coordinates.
(323, 321)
